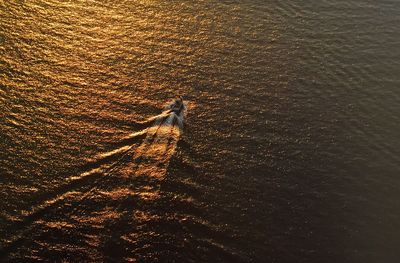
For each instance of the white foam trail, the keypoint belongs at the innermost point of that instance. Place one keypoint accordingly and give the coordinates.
(135, 134)
(153, 154)
(116, 151)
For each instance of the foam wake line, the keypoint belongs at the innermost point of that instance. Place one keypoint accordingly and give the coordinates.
(151, 157)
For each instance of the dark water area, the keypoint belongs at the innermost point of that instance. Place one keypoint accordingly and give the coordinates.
(290, 150)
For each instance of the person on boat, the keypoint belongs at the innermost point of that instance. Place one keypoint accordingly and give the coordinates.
(177, 106)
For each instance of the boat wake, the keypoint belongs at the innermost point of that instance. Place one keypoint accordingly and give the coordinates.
(133, 170)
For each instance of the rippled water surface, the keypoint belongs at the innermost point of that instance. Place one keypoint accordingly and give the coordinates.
(290, 151)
